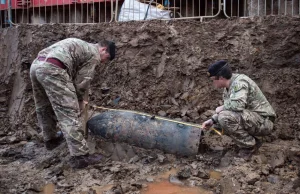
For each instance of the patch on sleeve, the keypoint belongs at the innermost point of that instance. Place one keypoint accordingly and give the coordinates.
(237, 87)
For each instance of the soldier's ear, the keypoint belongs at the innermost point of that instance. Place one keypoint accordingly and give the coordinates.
(102, 49)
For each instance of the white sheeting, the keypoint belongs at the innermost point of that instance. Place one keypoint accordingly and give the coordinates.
(134, 10)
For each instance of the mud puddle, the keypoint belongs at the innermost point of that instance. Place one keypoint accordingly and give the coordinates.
(163, 184)
(215, 174)
(49, 189)
(168, 188)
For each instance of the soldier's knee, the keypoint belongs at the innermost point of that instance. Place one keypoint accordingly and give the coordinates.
(227, 117)
(266, 129)
(76, 135)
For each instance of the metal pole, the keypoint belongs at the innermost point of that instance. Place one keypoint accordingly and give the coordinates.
(9, 13)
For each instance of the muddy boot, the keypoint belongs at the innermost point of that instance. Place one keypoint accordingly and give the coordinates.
(296, 183)
(53, 143)
(247, 153)
(78, 162)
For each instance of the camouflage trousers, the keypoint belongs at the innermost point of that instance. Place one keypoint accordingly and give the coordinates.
(243, 126)
(56, 103)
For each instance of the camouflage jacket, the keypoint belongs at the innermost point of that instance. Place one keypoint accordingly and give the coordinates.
(79, 57)
(243, 93)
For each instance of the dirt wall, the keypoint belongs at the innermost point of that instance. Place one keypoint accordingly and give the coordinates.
(161, 66)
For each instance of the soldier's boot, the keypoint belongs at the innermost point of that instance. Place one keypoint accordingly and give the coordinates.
(296, 182)
(53, 143)
(78, 162)
(247, 153)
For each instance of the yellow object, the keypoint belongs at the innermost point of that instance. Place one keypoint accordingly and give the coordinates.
(217, 132)
(160, 6)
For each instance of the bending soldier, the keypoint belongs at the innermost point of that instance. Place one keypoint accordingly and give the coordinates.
(60, 77)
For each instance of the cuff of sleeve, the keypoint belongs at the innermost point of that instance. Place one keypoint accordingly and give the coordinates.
(79, 98)
(214, 118)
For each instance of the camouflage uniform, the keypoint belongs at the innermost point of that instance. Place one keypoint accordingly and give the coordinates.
(246, 112)
(57, 91)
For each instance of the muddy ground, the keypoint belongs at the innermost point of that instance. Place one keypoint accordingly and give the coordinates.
(160, 69)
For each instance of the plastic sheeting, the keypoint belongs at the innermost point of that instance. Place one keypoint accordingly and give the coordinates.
(135, 10)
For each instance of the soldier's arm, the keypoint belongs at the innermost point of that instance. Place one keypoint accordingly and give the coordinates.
(238, 97)
(83, 79)
(84, 101)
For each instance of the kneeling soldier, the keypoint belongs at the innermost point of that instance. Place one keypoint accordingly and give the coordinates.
(246, 112)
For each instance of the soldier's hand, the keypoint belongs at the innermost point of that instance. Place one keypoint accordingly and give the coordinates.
(207, 124)
(219, 109)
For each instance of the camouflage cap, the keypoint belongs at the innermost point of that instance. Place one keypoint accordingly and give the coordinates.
(216, 68)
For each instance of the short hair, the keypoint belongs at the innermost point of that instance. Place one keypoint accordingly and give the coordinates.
(220, 68)
(111, 47)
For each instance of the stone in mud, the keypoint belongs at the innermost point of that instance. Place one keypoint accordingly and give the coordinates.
(229, 185)
(265, 169)
(184, 96)
(63, 184)
(277, 160)
(117, 191)
(161, 158)
(162, 113)
(184, 111)
(211, 183)
(134, 159)
(184, 172)
(194, 165)
(273, 179)
(148, 159)
(134, 42)
(137, 185)
(173, 179)
(150, 179)
(203, 174)
(174, 102)
(252, 177)
(115, 169)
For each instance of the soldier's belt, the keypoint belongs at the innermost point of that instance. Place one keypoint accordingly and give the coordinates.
(52, 61)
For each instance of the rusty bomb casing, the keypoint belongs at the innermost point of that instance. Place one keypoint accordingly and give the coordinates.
(146, 131)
